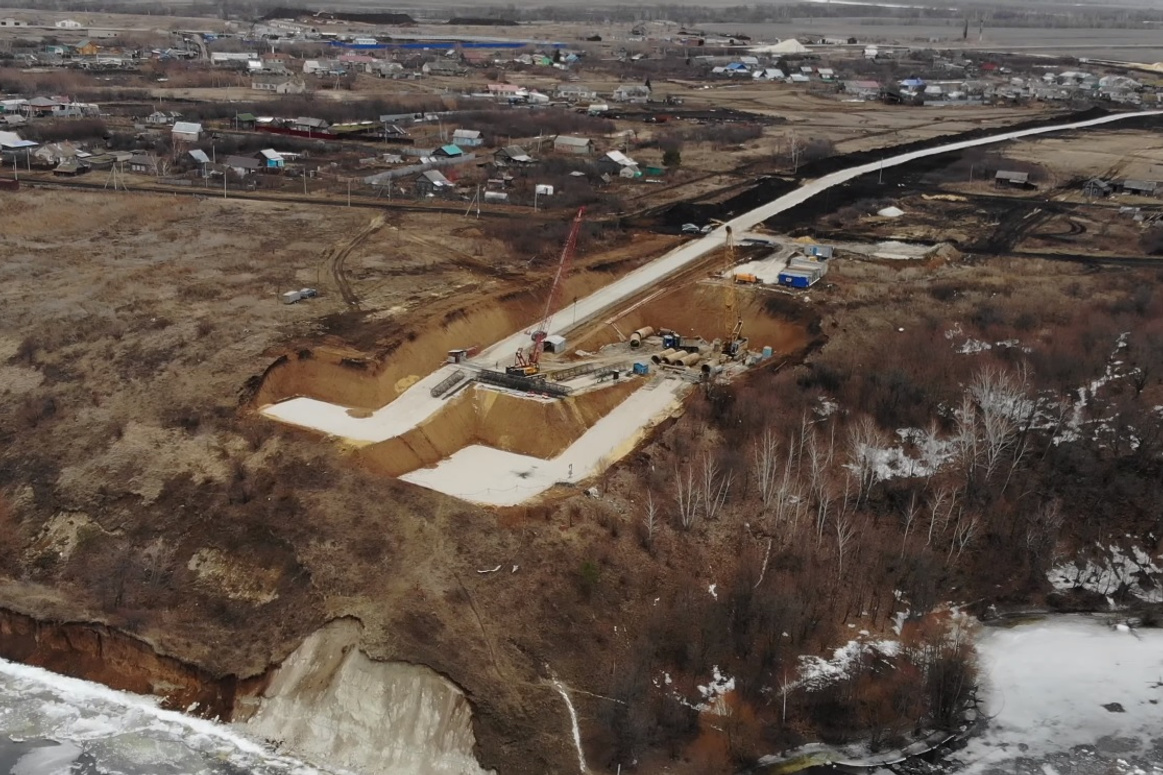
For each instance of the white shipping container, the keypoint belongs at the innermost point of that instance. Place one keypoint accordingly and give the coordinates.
(290, 297)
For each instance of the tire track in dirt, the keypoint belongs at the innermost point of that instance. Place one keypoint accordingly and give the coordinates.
(336, 258)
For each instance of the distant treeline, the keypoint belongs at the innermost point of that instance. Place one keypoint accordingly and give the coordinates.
(383, 17)
(481, 21)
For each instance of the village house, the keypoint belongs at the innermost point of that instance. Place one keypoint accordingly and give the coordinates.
(86, 48)
(271, 159)
(53, 154)
(618, 163)
(68, 24)
(433, 183)
(1137, 187)
(8, 21)
(162, 118)
(581, 146)
(505, 90)
(385, 69)
(143, 164)
(279, 84)
(633, 93)
(1012, 179)
(467, 138)
(242, 165)
(46, 106)
(308, 124)
(443, 67)
(451, 151)
(186, 132)
(575, 92)
(511, 155)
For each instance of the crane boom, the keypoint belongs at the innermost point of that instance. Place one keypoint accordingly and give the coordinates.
(529, 362)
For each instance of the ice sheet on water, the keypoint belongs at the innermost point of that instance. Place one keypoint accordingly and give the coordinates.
(124, 732)
(49, 760)
(1048, 688)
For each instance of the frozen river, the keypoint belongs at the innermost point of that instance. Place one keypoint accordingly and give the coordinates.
(1069, 695)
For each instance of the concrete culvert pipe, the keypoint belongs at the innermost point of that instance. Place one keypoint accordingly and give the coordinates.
(662, 356)
(689, 359)
(637, 337)
(710, 364)
(676, 357)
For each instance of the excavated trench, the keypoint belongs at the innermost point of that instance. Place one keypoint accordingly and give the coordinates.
(371, 380)
(527, 426)
(709, 309)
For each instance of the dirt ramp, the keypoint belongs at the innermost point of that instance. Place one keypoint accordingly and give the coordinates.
(507, 421)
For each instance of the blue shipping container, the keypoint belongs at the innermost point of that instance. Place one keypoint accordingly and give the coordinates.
(796, 279)
(641, 368)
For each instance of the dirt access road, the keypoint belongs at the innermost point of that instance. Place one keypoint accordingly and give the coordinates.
(417, 404)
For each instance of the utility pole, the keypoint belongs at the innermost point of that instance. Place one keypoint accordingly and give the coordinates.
(349, 192)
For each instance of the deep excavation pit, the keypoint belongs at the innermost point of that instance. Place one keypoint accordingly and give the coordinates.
(709, 309)
(478, 415)
(370, 380)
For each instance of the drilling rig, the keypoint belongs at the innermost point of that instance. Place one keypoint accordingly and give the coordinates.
(733, 342)
(529, 359)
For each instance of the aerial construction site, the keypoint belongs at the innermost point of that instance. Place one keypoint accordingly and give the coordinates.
(560, 400)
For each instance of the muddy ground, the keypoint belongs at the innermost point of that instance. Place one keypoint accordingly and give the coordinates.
(139, 488)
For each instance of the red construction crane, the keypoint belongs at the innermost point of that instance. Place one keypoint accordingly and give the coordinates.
(529, 360)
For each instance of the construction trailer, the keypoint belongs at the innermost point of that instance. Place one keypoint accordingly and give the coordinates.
(799, 278)
(802, 263)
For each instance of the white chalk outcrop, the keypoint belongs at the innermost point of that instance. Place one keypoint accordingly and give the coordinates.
(329, 702)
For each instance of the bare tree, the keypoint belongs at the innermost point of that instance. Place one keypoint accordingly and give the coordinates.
(766, 466)
(1042, 527)
(714, 488)
(963, 533)
(649, 521)
(910, 517)
(864, 438)
(1004, 412)
(686, 494)
(845, 532)
(941, 504)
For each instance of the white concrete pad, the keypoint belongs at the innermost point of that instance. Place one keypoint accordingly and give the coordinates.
(494, 477)
(412, 407)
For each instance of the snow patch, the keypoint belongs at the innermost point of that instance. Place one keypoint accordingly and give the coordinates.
(816, 673)
(1109, 569)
